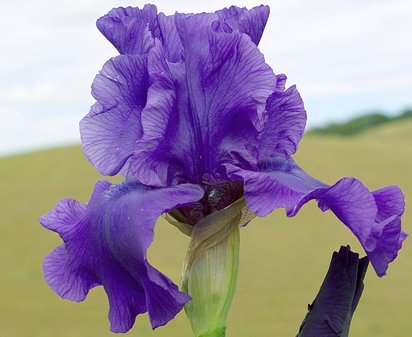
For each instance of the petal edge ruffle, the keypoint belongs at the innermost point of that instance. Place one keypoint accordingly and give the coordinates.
(105, 243)
(374, 217)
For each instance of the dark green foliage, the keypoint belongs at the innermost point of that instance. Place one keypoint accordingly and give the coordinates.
(406, 114)
(359, 124)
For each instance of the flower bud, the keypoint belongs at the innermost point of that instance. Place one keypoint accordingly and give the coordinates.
(331, 312)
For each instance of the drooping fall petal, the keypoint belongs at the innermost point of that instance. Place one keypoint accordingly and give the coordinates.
(105, 243)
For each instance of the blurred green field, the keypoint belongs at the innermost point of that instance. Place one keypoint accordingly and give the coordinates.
(282, 260)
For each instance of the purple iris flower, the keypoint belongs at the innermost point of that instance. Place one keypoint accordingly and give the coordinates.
(194, 119)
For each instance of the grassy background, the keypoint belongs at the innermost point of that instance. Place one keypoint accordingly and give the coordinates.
(282, 260)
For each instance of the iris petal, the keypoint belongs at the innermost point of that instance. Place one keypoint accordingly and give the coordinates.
(112, 127)
(228, 83)
(148, 162)
(132, 30)
(251, 22)
(374, 217)
(169, 37)
(201, 118)
(129, 29)
(390, 202)
(190, 113)
(105, 243)
(285, 123)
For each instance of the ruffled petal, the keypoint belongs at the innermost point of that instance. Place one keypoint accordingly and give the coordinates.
(105, 243)
(112, 127)
(65, 213)
(197, 95)
(374, 217)
(167, 33)
(251, 22)
(206, 110)
(133, 30)
(391, 204)
(130, 29)
(279, 184)
(148, 162)
(227, 83)
(358, 209)
(286, 120)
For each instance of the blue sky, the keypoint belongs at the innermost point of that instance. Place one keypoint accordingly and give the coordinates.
(346, 57)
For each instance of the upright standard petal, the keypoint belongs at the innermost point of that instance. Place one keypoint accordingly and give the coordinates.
(200, 103)
(207, 110)
(285, 124)
(227, 83)
(251, 22)
(167, 34)
(130, 29)
(112, 127)
(133, 30)
(374, 217)
(105, 243)
(149, 162)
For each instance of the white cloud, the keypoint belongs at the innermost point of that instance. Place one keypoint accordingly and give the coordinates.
(39, 92)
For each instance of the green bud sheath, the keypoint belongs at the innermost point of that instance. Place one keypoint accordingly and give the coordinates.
(211, 267)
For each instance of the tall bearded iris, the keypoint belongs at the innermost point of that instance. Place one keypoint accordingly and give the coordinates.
(203, 132)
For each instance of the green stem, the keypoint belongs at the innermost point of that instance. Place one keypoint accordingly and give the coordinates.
(219, 332)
